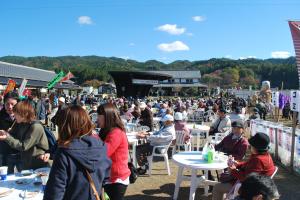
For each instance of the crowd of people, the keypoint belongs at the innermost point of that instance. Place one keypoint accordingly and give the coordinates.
(99, 159)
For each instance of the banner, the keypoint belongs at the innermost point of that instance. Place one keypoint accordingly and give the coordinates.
(27, 92)
(295, 31)
(67, 77)
(275, 99)
(55, 80)
(22, 87)
(295, 100)
(10, 86)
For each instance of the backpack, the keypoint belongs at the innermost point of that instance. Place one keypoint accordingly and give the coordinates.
(52, 142)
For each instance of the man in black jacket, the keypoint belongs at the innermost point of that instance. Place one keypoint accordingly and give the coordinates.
(6, 121)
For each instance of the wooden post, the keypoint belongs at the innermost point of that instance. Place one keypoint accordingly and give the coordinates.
(293, 140)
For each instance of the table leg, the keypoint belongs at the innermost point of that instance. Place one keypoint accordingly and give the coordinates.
(198, 141)
(206, 187)
(194, 184)
(134, 162)
(178, 182)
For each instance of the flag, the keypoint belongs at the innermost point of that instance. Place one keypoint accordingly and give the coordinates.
(22, 87)
(55, 80)
(26, 92)
(295, 30)
(10, 86)
(67, 77)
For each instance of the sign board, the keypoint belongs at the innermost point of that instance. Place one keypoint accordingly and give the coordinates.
(295, 100)
(144, 82)
(275, 98)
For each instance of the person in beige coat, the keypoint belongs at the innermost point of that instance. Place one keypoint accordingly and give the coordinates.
(28, 137)
(221, 124)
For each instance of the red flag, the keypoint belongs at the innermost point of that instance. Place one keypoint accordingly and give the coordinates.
(295, 30)
(67, 77)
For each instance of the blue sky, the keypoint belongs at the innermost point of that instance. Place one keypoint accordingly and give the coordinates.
(165, 30)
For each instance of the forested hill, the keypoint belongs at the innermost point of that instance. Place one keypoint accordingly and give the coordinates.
(224, 72)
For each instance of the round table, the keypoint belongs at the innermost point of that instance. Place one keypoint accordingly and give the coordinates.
(19, 190)
(193, 160)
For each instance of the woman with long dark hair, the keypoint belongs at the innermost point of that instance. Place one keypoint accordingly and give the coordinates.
(80, 161)
(113, 134)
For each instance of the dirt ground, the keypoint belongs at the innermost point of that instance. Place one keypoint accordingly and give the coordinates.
(160, 186)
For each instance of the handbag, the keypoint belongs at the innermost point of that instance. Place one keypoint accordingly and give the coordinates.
(133, 171)
(102, 197)
(226, 177)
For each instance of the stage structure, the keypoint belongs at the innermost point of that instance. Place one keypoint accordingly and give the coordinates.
(136, 83)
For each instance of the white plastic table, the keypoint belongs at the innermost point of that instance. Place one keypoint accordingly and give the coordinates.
(197, 130)
(193, 160)
(19, 189)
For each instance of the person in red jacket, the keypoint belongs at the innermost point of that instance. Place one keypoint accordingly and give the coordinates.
(113, 134)
(260, 162)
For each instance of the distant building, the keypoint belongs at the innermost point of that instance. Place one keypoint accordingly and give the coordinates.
(180, 81)
(37, 78)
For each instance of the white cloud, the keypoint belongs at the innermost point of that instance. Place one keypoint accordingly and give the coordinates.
(171, 29)
(85, 20)
(125, 57)
(174, 46)
(199, 18)
(189, 34)
(131, 44)
(247, 57)
(280, 54)
(228, 56)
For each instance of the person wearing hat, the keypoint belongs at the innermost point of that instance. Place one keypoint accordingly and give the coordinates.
(260, 162)
(234, 144)
(164, 136)
(255, 114)
(61, 106)
(180, 125)
(221, 124)
(146, 118)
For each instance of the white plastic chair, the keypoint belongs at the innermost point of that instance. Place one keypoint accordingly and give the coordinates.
(218, 137)
(164, 154)
(180, 142)
(143, 128)
(275, 172)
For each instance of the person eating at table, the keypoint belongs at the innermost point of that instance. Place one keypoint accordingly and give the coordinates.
(221, 124)
(7, 119)
(146, 118)
(27, 137)
(234, 144)
(260, 161)
(162, 137)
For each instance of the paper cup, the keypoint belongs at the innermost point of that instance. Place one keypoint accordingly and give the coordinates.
(3, 172)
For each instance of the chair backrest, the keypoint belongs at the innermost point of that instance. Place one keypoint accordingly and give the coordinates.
(276, 169)
(143, 128)
(179, 137)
